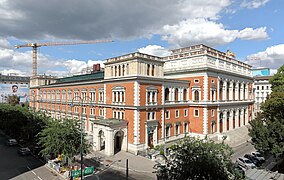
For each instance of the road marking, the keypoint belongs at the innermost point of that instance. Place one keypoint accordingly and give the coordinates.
(39, 178)
(34, 173)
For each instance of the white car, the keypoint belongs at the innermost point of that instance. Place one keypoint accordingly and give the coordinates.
(245, 163)
(258, 156)
(12, 142)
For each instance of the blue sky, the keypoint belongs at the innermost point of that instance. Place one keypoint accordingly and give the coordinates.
(253, 29)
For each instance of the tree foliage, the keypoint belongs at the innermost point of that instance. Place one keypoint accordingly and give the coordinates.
(267, 129)
(193, 158)
(61, 138)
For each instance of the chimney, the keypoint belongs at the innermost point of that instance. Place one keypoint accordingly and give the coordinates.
(96, 67)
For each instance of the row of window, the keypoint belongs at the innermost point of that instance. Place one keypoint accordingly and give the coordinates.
(177, 129)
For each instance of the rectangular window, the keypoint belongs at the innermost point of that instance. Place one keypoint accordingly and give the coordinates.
(177, 113)
(167, 131)
(262, 87)
(257, 87)
(92, 111)
(185, 126)
(196, 113)
(167, 114)
(176, 129)
(212, 112)
(151, 116)
(196, 80)
(101, 112)
(185, 112)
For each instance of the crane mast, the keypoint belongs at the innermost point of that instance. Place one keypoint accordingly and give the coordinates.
(36, 45)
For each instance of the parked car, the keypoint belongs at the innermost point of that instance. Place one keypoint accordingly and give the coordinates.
(245, 163)
(24, 151)
(12, 142)
(253, 159)
(258, 156)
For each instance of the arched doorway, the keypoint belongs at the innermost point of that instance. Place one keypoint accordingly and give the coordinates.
(228, 120)
(101, 140)
(234, 119)
(221, 122)
(118, 138)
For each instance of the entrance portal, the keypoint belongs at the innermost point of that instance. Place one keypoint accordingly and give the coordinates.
(118, 138)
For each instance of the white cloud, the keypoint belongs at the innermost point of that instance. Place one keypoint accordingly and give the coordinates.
(272, 57)
(252, 4)
(128, 18)
(13, 61)
(253, 34)
(154, 50)
(4, 43)
(189, 32)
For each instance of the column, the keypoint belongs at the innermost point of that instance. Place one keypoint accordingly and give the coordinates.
(246, 116)
(246, 91)
(237, 91)
(116, 100)
(120, 94)
(242, 116)
(242, 91)
(218, 89)
(225, 90)
(225, 121)
(109, 143)
(231, 90)
(231, 120)
(155, 96)
(237, 118)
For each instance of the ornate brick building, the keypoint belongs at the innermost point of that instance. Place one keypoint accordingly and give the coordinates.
(140, 100)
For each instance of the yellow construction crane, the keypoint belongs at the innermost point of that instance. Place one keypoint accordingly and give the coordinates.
(36, 45)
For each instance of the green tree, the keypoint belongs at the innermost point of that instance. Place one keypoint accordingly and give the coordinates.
(13, 99)
(267, 129)
(61, 138)
(193, 158)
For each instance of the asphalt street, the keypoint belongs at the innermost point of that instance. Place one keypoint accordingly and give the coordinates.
(241, 150)
(17, 167)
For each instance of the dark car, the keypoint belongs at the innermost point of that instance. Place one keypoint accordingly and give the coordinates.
(24, 151)
(253, 159)
(258, 156)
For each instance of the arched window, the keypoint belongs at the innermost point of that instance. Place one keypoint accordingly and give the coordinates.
(184, 94)
(176, 94)
(115, 71)
(123, 69)
(153, 70)
(119, 70)
(221, 90)
(196, 95)
(167, 94)
(148, 69)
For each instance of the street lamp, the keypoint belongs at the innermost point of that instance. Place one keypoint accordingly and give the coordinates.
(81, 102)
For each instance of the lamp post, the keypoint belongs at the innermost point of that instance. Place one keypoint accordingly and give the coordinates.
(81, 102)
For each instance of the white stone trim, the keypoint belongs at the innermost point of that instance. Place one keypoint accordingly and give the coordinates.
(205, 121)
(205, 88)
(136, 127)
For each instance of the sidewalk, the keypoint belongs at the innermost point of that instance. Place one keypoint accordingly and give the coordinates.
(135, 163)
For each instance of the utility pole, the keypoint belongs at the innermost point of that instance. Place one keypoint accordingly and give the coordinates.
(126, 169)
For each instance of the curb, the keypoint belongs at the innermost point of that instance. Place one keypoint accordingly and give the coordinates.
(53, 171)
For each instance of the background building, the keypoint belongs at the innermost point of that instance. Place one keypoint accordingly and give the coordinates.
(141, 101)
(13, 84)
